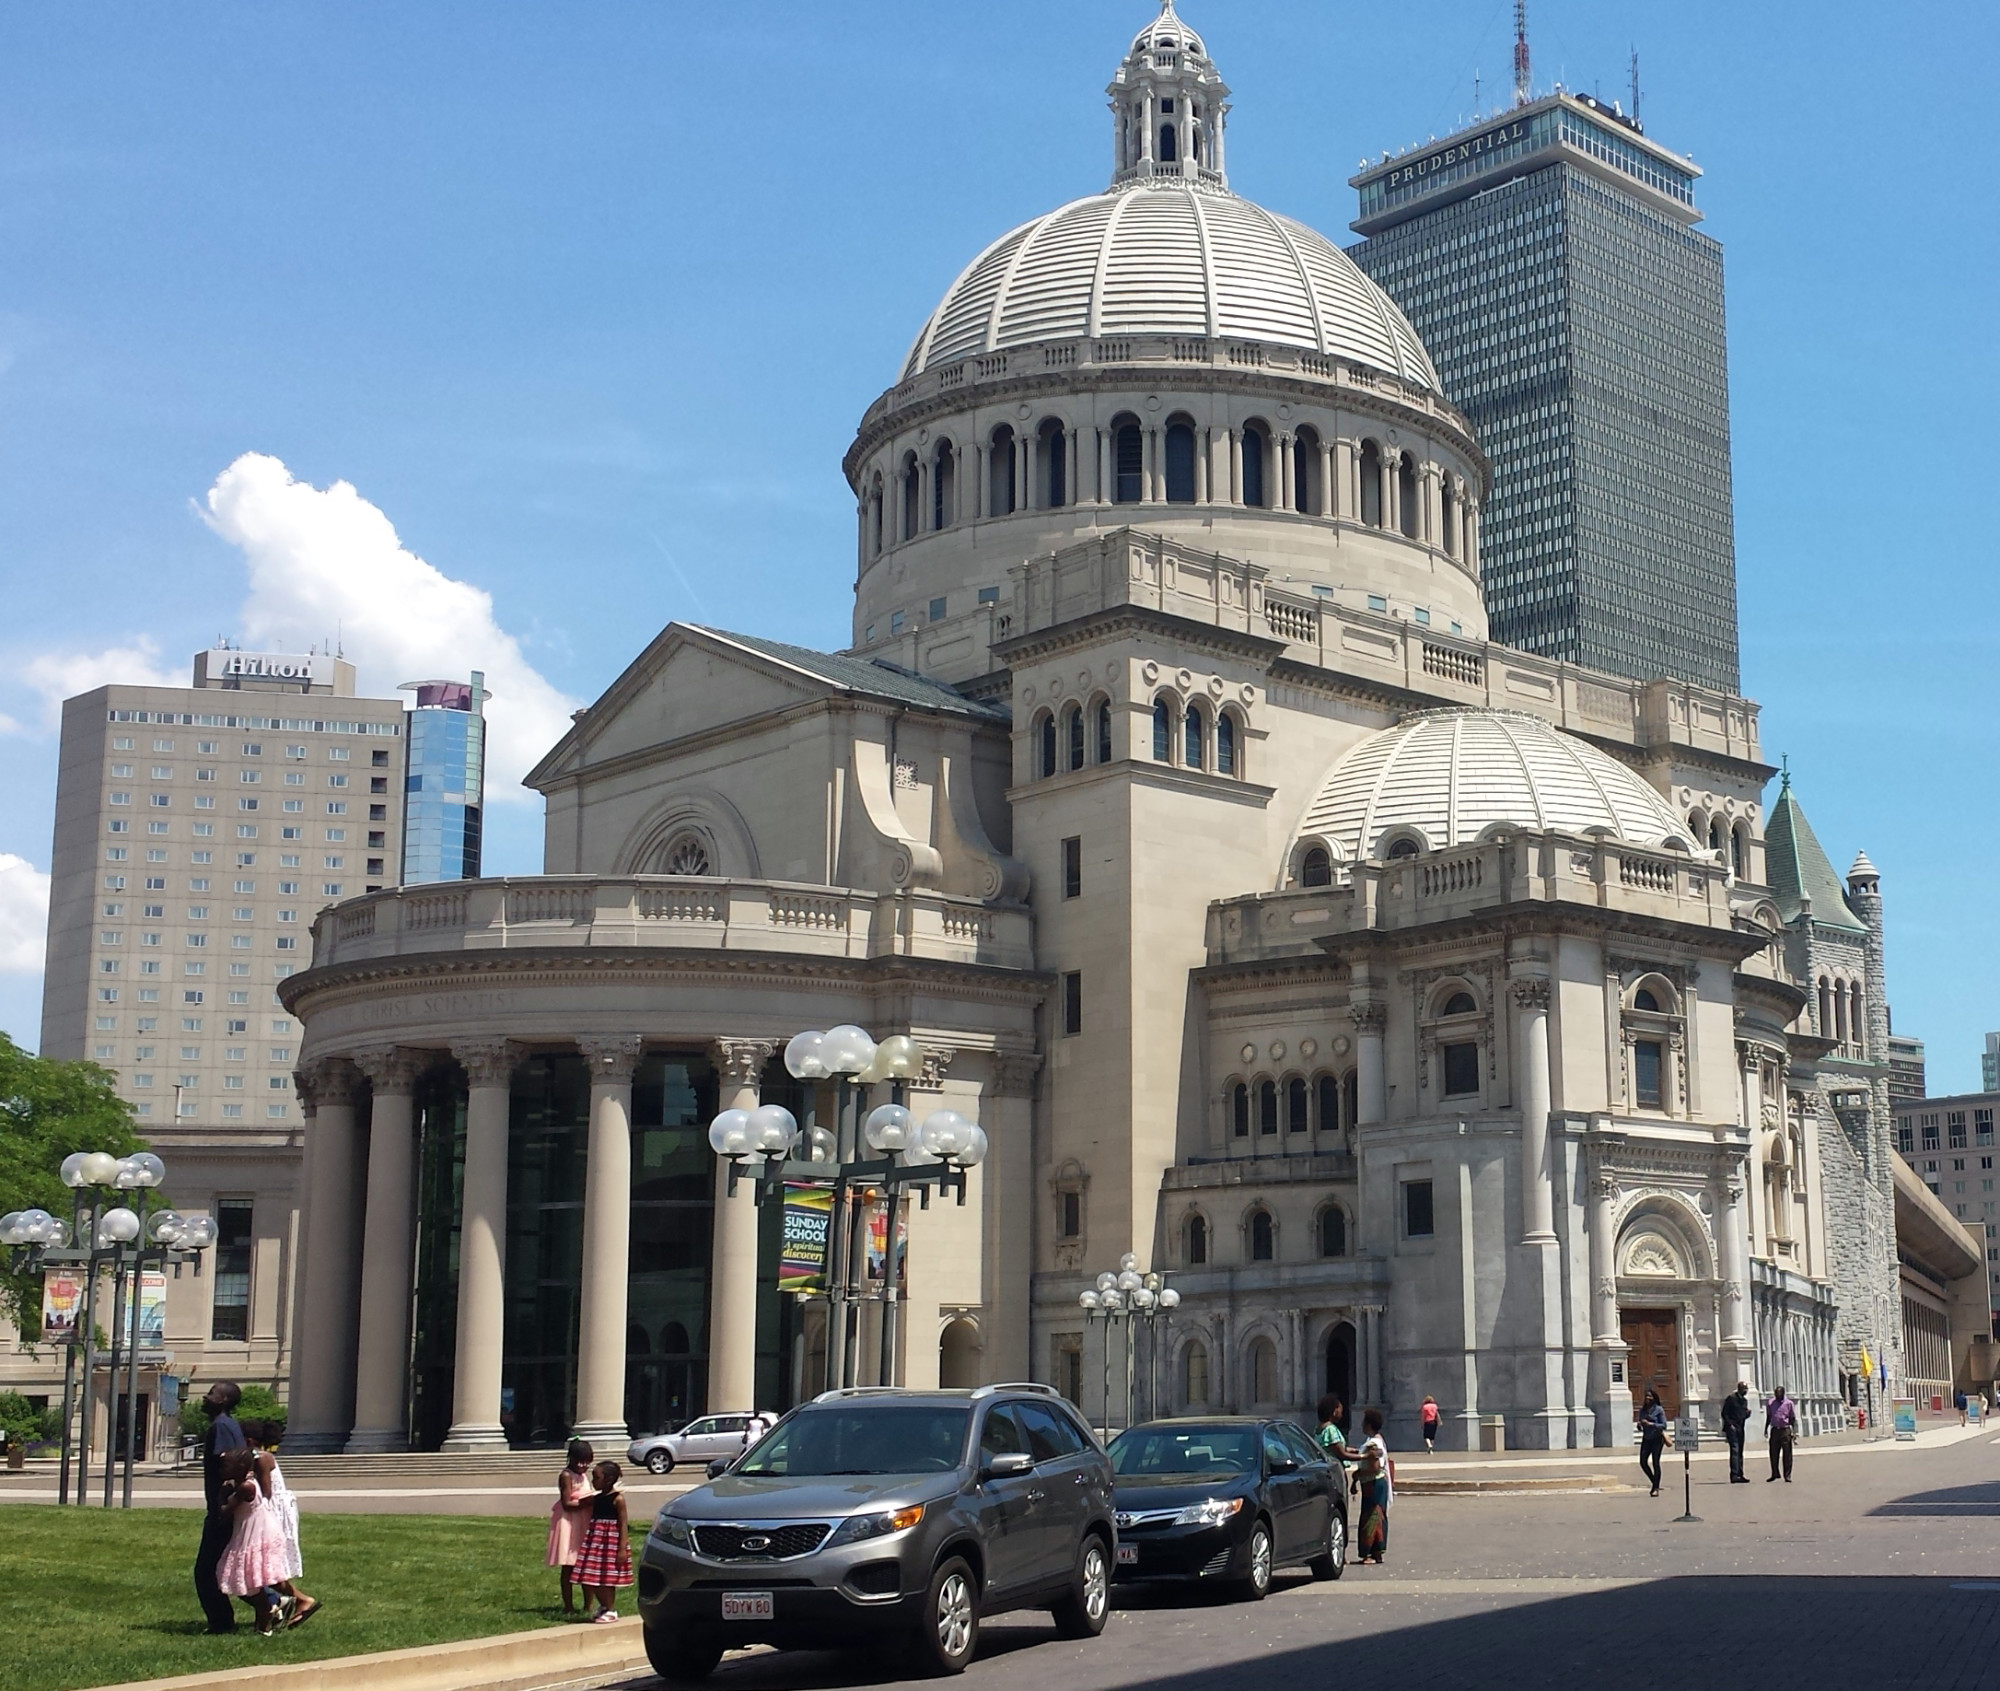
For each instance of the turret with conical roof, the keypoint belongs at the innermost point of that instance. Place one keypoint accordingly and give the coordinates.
(1801, 876)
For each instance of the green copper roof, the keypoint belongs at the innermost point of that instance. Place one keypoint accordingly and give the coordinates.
(1798, 870)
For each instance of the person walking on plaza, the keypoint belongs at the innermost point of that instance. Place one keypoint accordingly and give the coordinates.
(295, 1606)
(1430, 1417)
(569, 1519)
(604, 1563)
(1735, 1422)
(1375, 1483)
(1958, 1403)
(1781, 1425)
(1652, 1438)
(223, 1438)
(1332, 1440)
(253, 1563)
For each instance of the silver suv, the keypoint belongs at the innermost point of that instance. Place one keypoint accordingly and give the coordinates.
(872, 1513)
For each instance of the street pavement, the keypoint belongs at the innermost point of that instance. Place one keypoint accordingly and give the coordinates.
(1879, 1566)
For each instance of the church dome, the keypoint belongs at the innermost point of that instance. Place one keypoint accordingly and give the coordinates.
(1169, 258)
(1443, 778)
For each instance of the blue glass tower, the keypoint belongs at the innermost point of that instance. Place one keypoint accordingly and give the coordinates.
(445, 780)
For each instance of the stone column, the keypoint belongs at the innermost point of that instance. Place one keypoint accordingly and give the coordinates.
(1531, 1053)
(1104, 484)
(982, 494)
(325, 1306)
(1371, 1082)
(1751, 1058)
(1150, 491)
(1287, 469)
(1471, 515)
(482, 1246)
(1610, 1399)
(1146, 130)
(607, 1241)
(1392, 492)
(1236, 466)
(1326, 493)
(1729, 1228)
(732, 1293)
(1204, 450)
(382, 1359)
(1344, 481)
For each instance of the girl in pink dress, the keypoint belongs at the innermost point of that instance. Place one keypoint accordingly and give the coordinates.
(255, 1559)
(569, 1519)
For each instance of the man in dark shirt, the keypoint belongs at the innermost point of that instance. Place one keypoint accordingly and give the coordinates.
(223, 1436)
(1735, 1418)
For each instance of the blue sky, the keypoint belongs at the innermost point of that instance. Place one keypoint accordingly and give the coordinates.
(587, 300)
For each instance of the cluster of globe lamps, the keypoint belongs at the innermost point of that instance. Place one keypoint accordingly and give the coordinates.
(93, 1171)
(1128, 1292)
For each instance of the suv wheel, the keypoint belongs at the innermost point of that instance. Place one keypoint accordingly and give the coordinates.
(684, 1659)
(659, 1461)
(1256, 1579)
(1334, 1563)
(949, 1629)
(1087, 1603)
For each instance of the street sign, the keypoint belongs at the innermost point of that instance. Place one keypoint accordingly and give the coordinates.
(1687, 1434)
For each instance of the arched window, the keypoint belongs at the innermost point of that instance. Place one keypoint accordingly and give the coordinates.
(1739, 849)
(686, 854)
(1052, 464)
(1715, 836)
(1197, 1241)
(1350, 1098)
(1371, 484)
(1195, 753)
(1333, 1231)
(1073, 735)
(1298, 1106)
(1128, 462)
(875, 518)
(1255, 447)
(1263, 1371)
(1305, 473)
(1180, 462)
(1263, 1237)
(1840, 1011)
(1000, 473)
(1448, 516)
(1170, 143)
(1316, 867)
(912, 488)
(1406, 495)
(1459, 1004)
(1045, 737)
(1267, 1107)
(1239, 1110)
(1405, 847)
(1643, 999)
(944, 486)
(1696, 826)
(1103, 730)
(1225, 744)
(1825, 1009)
(1163, 731)
(1327, 1090)
(1194, 1374)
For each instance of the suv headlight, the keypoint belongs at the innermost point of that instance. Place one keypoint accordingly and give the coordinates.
(1211, 1512)
(674, 1531)
(856, 1528)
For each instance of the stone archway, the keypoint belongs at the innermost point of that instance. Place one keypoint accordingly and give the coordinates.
(960, 1354)
(1340, 1356)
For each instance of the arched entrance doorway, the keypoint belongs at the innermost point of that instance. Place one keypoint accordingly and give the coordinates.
(1340, 1364)
(958, 1355)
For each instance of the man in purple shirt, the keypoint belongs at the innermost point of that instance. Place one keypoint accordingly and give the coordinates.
(1781, 1425)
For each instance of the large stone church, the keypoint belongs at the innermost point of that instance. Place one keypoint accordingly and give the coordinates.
(1437, 1019)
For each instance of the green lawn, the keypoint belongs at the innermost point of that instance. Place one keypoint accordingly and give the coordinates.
(97, 1597)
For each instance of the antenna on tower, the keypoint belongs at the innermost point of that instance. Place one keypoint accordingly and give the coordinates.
(1523, 81)
(1475, 94)
(1635, 85)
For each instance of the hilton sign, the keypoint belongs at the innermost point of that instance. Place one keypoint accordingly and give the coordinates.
(308, 669)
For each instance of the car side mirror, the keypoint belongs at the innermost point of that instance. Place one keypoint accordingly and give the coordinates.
(1007, 1465)
(1284, 1465)
(718, 1467)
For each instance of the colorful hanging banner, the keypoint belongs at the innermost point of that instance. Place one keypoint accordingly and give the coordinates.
(62, 1304)
(152, 1310)
(802, 1255)
(878, 1232)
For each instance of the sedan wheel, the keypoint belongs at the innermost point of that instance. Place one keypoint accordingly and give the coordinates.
(950, 1627)
(1256, 1581)
(1334, 1562)
(659, 1462)
(1087, 1603)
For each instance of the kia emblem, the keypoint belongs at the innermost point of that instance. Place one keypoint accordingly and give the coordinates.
(757, 1541)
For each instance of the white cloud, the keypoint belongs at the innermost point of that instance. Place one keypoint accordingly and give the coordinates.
(325, 562)
(24, 915)
(57, 676)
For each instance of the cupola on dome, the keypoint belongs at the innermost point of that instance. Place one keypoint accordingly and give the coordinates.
(1443, 778)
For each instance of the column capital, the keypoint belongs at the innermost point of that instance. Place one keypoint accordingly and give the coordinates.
(612, 1057)
(937, 1058)
(1014, 1073)
(487, 1062)
(1370, 1018)
(391, 1068)
(1531, 992)
(330, 1080)
(741, 1061)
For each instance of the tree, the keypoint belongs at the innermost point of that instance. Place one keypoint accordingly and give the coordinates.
(47, 1110)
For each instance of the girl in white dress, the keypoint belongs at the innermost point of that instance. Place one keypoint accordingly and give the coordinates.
(297, 1606)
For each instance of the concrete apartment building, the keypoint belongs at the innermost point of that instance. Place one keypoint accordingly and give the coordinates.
(1948, 1144)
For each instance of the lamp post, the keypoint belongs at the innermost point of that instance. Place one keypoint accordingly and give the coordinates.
(883, 1149)
(1130, 1297)
(128, 1241)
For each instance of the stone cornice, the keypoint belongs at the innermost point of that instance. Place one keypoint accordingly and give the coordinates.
(1545, 917)
(1113, 620)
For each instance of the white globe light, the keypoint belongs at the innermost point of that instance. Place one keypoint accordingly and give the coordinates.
(39, 1226)
(887, 1128)
(847, 1049)
(147, 1169)
(1142, 1297)
(973, 1152)
(802, 1057)
(943, 1132)
(1169, 1298)
(729, 1133)
(821, 1145)
(1113, 1299)
(899, 1057)
(117, 1227)
(1107, 1281)
(166, 1228)
(875, 1071)
(1129, 1281)
(1087, 1299)
(99, 1168)
(774, 1128)
(59, 1234)
(12, 1230)
(917, 1154)
(200, 1232)
(129, 1175)
(1128, 1262)
(72, 1169)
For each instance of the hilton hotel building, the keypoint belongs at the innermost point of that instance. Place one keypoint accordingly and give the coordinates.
(199, 831)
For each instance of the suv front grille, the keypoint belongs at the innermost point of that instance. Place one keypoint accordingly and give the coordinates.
(779, 1542)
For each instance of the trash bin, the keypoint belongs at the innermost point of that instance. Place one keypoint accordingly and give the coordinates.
(1492, 1432)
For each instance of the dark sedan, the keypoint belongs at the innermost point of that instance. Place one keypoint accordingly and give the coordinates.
(1226, 1502)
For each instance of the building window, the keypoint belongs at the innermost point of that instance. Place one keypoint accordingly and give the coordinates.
(1906, 1139)
(1180, 463)
(1225, 744)
(1128, 463)
(944, 491)
(1406, 495)
(1196, 749)
(1104, 731)
(1316, 868)
(1371, 486)
(1417, 1209)
(1197, 1241)
(1239, 1110)
(1000, 473)
(231, 1315)
(1163, 731)
(1263, 1237)
(1072, 1214)
(1194, 1374)
(1298, 1101)
(1930, 1130)
(1072, 867)
(1328, 1090)
(1046, 735)
(1255, 446)
(1461, 1068)
(1073, 735)
(1052, 464)
(1646, 1065)
(1333, 1231)
(1267, 1106)
(1072, 1002)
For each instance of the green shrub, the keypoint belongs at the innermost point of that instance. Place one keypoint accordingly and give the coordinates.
(259, 1403)
(22, 1422)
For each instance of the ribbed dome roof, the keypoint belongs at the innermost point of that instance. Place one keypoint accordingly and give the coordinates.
(1450, 775)
(1166, 259)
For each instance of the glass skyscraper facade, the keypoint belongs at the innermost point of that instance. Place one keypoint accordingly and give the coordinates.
(444, 780)
(1547, 260)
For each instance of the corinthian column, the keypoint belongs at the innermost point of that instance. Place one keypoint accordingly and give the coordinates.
(1610, 1398)
(732, 1297)
(382, 1360)
(324, 1307)
(1531, 1049)
(1371, 1081)
(607, 1241)
(482, 1247)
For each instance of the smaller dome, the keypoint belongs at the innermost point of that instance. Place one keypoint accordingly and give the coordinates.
(1167, 32)
(1444, 778)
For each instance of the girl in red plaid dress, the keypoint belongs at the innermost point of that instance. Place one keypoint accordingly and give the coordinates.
(605, 1561)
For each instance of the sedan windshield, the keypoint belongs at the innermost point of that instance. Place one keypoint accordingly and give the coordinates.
(903, 1438)
(1173, 1452)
